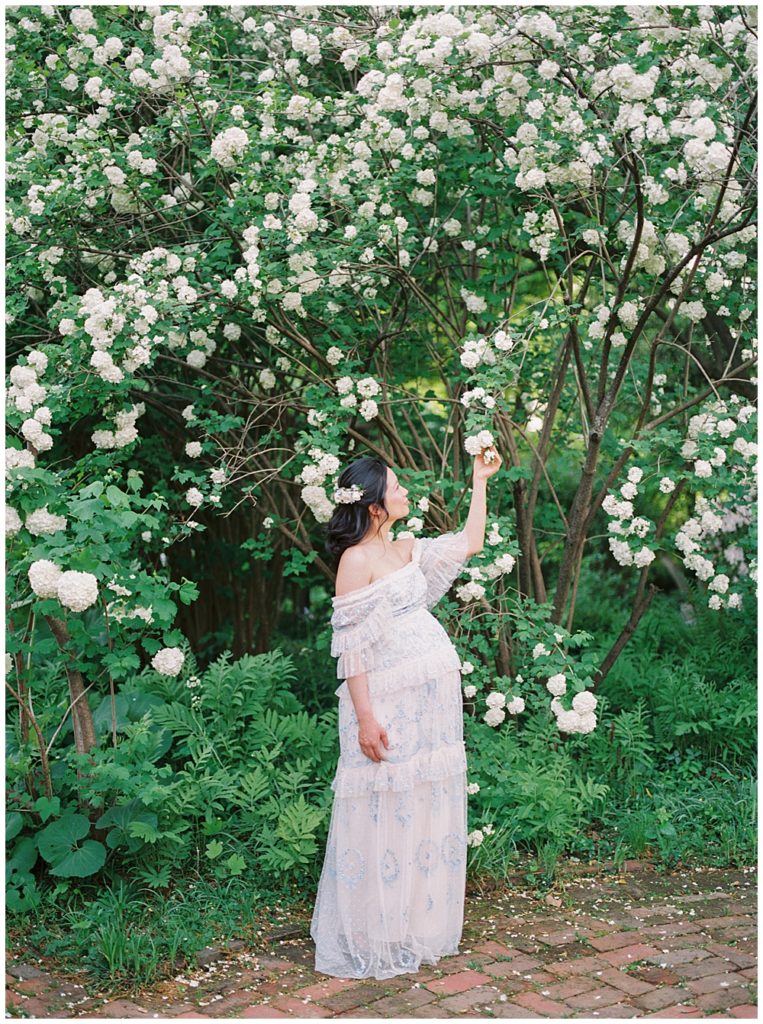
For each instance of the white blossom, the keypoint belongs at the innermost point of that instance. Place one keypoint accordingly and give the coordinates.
(168, 661)
(43, 578)
(77, 590)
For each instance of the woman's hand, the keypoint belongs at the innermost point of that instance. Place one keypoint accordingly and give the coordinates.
(484, 470)
(371, 736)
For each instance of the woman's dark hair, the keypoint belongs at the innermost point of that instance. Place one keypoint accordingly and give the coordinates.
(350, 521)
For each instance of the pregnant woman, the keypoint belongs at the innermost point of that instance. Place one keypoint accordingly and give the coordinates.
(391, 892)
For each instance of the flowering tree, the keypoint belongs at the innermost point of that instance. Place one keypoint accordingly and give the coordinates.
(286, 236)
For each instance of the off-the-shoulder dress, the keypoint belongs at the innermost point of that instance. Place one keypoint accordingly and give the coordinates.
(391, 891)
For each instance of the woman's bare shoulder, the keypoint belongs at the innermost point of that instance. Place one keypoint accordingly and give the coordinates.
(354, 570)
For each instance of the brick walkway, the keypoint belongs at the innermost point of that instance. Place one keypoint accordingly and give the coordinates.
(641, 945)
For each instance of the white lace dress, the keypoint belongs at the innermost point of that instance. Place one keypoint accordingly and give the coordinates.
(391, 892)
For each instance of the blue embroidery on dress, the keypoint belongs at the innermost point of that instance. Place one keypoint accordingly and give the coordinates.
(436, 796)
(429, 903)
(407, 958)
(426, 856)
(453, 852)
(351, 867)
(373, 805)
(390, 868)
(403, 808)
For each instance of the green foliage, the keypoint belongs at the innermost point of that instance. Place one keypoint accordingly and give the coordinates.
(668, 772)
(228, 761)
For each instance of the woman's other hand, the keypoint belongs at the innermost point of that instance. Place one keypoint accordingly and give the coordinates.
(371, 736)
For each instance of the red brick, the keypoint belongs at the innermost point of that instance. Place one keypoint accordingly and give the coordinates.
(744, 1010)
(714, 983)
(274, 963)
(674, 1012)
(453, 983)
(719, 1000)
(564, 936)
(595, 998)
(571, 987)
(454, 964)
(629, 954)
(615, 940)
(496, 949)
(625, 981)
(31, 1005)
(713, 965)
(655, 975)
(750, 972)
(468, 1000)
(678, 956)
(401, 1004)
(37, 986)
(723, 922)
(325, 988)
(540, 1004)
(582, 965)
(653, 910)
(351, 998)
(670, 928)
(733, 953)
(122, 1008)
(621, 1010)
(300, 1008)
(661, 998)
(505, 969)
(541, 977)
(263, 1010)
(512, 1011)
(736, 934)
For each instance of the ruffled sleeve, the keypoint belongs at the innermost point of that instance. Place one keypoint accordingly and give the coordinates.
(441, 560)
(360, 622)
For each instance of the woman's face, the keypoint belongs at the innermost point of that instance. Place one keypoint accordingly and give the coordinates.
(396, 498)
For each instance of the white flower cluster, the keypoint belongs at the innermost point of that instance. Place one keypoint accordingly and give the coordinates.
(313, 476)
(471, 591)
(348, 495)
(125, 432)
(168, 661)
(306, 43)
(74, 590)
(481, 350)
(17, 458)
(41, 522)
(229, 146)
(476, 443)
(497, 708)
(701, 538)
(627, 525)
(366, 387)
(649, 253)
(300, 205)
(582, 717)
(710, 424)
(477, 395)
(25, 391)
(476, 351)
(711, 520)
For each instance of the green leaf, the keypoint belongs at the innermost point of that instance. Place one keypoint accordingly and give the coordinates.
(58, 841)
(235, 863)
(116, 497)
(214, 849)
(47, 808)
(13, 824)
